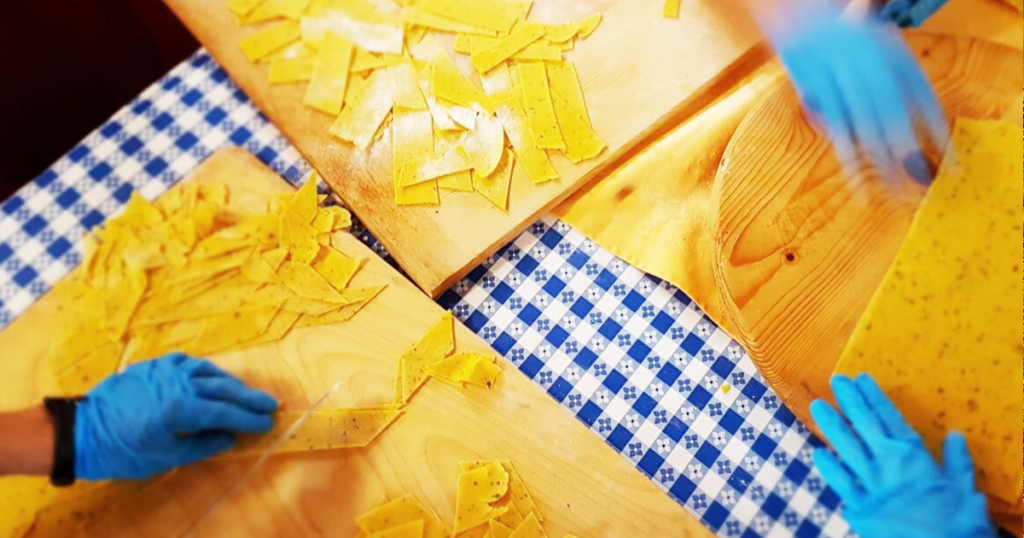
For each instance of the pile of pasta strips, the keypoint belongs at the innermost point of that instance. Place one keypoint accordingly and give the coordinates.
(365, 64)
(184, 274)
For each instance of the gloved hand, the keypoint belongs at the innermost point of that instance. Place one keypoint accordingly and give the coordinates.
(861, 83)
(910, 13)
(889, 482)
(161, 414)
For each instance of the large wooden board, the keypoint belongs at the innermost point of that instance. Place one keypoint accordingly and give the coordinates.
(636, 69)
(581, 484)
(669, 194)
(678, 177)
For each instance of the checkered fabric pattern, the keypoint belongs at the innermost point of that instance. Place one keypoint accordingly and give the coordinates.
(628, 355)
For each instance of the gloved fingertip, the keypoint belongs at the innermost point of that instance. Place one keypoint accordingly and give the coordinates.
(955, 440)
(264, 403)
(866, 383)
(836, 377)
(840, 383)
(820, 455)
(956, 459)
(822, 411)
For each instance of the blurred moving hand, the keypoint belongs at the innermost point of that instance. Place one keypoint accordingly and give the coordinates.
(910, 13)
(859, 80)
(891, 485)
(161, 414)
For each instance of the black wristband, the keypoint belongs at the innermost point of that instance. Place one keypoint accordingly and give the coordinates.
(62, 412)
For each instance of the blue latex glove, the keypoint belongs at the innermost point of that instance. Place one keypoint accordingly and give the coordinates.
(161, 414)
(863, 86)
(888, 480)
(910, 13)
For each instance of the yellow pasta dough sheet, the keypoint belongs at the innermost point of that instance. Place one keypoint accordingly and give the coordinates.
(324, 429)
(267, 40)
(399, 512)
(436, 345)
(942, 334)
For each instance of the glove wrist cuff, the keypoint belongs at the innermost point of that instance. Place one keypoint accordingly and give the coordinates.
(62, 413)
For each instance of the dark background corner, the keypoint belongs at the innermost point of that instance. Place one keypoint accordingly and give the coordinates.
(69, 65)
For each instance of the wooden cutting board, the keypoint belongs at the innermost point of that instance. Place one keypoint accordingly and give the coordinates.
(800, 252)
(580, 484)
(636, 69)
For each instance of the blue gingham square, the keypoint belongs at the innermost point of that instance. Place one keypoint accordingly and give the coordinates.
(631, 357)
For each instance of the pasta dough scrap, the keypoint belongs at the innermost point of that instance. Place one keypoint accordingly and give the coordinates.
(359, 122)
(534, 160)
(436, 345)
(491, 16)
(326, 90)
(496, 187)
(400, 511)
(434, 166)
(540, 111)
(291, 9)
(336, 268)
(463, 368)
(448, 83)
(412, 135)
(459, 181)
(518, 500)
(405, 87)
(306, 282)
(529, 528)
(243, 7)
(671, 9)
(485, 144)
(288, 70)
(370, 31)
(524, 34)
(412, 529)
(478, 489)
(416, 15)
(581, 142)
(499, 530)
(269, 39)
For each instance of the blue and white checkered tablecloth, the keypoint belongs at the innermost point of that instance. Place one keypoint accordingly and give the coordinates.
(630, 356)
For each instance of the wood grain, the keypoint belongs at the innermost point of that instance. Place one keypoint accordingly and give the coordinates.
(581, 485)
(800, 247)
(636, 69)
(662, 190)
(656, 210)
